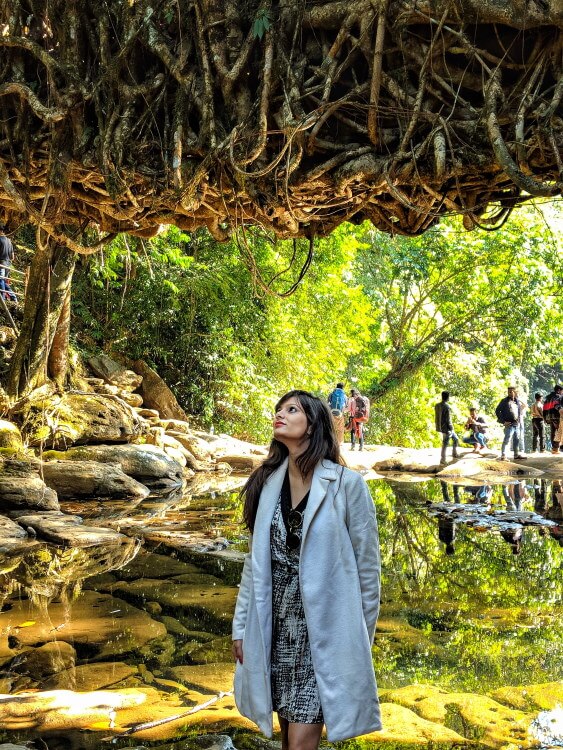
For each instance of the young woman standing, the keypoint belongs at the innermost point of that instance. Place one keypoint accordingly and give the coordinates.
(309, 595)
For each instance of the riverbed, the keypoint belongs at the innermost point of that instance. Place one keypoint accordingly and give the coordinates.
(97, 642)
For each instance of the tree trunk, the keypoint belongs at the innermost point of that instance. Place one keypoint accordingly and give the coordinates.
(57, 365)
(47, 293)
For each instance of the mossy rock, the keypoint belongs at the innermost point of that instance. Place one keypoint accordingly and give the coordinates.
(542, 697)
(475, 717)
(77, 419)
(10, 438)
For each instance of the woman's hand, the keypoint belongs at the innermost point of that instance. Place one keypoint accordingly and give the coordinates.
(237, 651)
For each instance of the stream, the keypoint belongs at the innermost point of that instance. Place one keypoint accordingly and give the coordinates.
(468, 650)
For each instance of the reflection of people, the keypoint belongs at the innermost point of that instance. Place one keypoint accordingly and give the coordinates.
(515, 494)
(514, 536)
(444, 424)
(446, 524)
(476, 424)
(446, 492)
(309, 595)
(555, 511)
(540, 497)
(508, 414)
(337, 402)
(480, 494)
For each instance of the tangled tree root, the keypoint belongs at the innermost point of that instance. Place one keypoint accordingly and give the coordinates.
(297, 115)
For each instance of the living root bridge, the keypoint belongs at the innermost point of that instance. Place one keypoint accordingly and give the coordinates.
(293, 115)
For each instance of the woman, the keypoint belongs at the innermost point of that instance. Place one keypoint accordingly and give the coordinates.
(309, 594)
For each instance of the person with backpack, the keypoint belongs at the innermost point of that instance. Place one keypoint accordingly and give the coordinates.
(552, 415)
(508, 413)
(358, 408)
(444, 424)
(337, 403)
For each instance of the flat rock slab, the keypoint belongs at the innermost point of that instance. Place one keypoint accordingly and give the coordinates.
(90, 480)
(403, 725)
(207, 678)
(88, 677)
(138, 461)
(486, 469)
(105, 625)
(69, 531)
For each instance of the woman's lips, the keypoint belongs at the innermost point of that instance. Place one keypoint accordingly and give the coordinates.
(279, 424)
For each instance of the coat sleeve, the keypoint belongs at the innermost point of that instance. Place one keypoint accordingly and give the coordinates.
(362, 528)
(243, 598)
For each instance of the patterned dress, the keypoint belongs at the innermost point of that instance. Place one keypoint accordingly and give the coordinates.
(295, 693)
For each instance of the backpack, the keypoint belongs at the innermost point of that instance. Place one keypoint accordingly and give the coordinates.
(551, 407)
(361, 407)
(337, 399)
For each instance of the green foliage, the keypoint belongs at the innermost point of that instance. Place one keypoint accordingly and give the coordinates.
(262, 23)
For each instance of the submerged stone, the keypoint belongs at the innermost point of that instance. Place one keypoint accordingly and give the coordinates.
(544, 696)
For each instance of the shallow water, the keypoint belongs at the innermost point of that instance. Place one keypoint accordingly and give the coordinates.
(471, 604)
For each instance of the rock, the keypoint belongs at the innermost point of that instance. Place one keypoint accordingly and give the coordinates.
(150, 565)
(207, 678)
(191, 443)
(133, 399)
(10, 438)
(10, 530)
(402, 727)
(206, 597)
(176, 455)
(26, 492)
(176, 425)
(45, 660)
(69, 531)
(108, 389)
(243, 463)
(153, 608)
(117, 628)
(78, 418)
(87, 677)
(141, 461)
(542, 697)
(156, 436)
(156, 394)
(114, 373)
(488, 469)
(477, 715)
(90, 480)
(148, 413)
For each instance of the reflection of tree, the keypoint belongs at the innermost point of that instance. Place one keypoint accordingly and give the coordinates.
(477, 620)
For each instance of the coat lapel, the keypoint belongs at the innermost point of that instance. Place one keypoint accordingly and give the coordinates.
(262, 556)
(325, 473)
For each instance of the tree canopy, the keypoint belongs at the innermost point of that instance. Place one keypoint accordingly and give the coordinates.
(123, 116)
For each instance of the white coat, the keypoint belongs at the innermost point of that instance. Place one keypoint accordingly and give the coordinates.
(339, 576)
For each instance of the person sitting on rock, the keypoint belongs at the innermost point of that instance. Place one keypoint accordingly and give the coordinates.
(476, 424)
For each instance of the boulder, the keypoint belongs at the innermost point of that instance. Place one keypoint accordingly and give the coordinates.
(133, 399)
(147, 413)
(156, 394)
(139, 461)
(196, 446)
(10, 438)
(89, 480)
(69, 530)
(80, 418)
(29, 492)
(114, 373)
(45, 660)
(489, 470)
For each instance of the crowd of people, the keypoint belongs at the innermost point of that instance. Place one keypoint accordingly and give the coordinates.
(510, 412)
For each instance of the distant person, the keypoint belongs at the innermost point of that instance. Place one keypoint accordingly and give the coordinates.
(521, 425)
(552, 416)
(508, 414)
(444, 424)
(337, 401)
(476, 424)
(358, 408)
(537, 424)
(6, 258)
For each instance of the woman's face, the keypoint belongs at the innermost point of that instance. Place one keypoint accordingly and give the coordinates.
(290, 422)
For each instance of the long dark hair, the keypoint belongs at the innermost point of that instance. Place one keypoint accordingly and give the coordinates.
(323, 443)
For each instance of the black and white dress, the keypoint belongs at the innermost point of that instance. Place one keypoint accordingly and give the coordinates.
(295, 694)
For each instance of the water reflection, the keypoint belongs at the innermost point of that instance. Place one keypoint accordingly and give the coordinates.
(471, 606)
